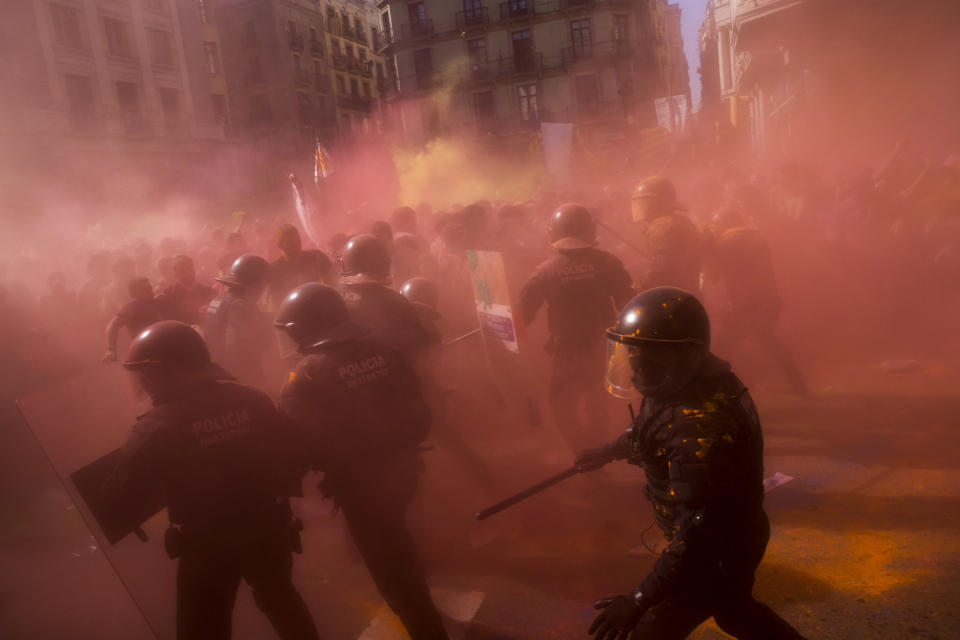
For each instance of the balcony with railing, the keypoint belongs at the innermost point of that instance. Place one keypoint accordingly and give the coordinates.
(416, 30)
(353, 65)
(573, 5)
(333, 26)
(315, 116)
(506, 125)
(517, 10)
(355, 101)
(479, 70)
(316, 48)
(296, 42)
(362, 68)
(472, 19)
(359, 35)
(595, 51)
(526, 63)
(347, 31)
(573, 55)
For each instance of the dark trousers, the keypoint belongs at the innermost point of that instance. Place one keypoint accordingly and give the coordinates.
(207, 582)
(726, 596)
(375, 513)
(576, 381)
(739, 324)
(736, 614)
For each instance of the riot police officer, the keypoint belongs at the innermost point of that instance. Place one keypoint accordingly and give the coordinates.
(390, 319)
(738, 258)
(236, 331)
(698, 438)
(222, 457)
(359, 403)
(423, 294)
(671, 240)
(582, 287)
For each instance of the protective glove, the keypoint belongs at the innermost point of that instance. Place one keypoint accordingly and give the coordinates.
(593, 459)
(617, 620)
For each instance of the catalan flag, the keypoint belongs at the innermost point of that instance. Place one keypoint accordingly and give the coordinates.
(322, 165)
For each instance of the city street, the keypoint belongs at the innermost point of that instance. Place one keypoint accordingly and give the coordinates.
(865, 543)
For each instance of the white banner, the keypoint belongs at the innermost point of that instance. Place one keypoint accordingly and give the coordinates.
(558, 148)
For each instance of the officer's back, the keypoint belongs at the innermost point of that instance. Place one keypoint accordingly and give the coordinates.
(580, 288)
(223, 460)
(385, 313)
(217, 450)
(364, 399)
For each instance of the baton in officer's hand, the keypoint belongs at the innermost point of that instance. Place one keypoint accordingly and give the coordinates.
(526, 493)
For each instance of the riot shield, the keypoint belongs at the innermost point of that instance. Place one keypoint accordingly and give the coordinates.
(115, 520)
(503, 334)
(81, 424)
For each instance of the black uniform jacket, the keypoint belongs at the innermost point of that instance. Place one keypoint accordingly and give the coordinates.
(359, 402)
(584, 290)
(702, 452)
(221, 455)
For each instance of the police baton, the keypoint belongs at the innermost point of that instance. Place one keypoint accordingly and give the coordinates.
(469, 334)
(526, 493)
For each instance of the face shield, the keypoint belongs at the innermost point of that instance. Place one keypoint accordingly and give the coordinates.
(634, 370)
(135, 387)
(640, 208)
(289, 348)
(619, 377)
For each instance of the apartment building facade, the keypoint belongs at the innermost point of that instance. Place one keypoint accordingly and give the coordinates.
(353, 35)
(111, 72)
(495, 68)
(278, 70)
(299, 68)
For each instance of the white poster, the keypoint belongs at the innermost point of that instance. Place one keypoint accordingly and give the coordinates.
(557, 148)
(673, 113)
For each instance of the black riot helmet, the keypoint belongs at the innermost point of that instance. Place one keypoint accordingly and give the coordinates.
(364, 260)
(657, 343)
(572, 227)
(248, 272)
(655, 196)
(312, 314)
(171, 344)
(421, 291)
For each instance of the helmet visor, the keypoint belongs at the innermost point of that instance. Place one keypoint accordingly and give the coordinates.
(634, 370)
(640, 208)
(135, 388)
(620, 372)
(289, 349)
